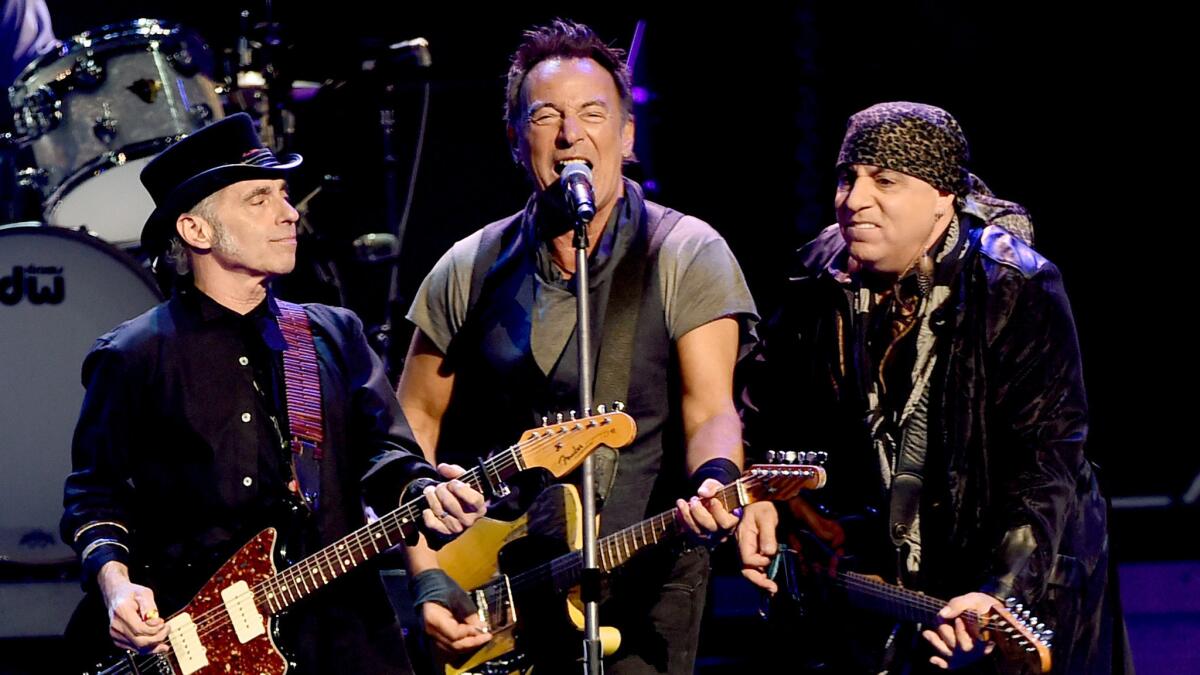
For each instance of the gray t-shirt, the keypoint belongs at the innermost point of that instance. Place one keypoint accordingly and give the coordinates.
(698, 275)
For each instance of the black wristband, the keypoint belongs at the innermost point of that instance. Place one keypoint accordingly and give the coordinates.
(720, 468)
(434, 585)
(415, 489)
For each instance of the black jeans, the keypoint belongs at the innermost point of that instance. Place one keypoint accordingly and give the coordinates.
(657, 604)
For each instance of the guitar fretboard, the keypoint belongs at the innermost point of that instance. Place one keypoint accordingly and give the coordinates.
(317, 570)
(894, 601)
(617, 548)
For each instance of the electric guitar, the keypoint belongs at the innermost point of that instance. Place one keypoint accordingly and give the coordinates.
(229, 625)
(813, 573)
(522, 572)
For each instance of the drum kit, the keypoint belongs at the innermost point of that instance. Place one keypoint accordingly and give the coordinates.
(87, 117)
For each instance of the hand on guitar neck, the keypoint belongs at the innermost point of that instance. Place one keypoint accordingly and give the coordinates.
(956, 639)
(962, 631)
(453, 505)
(705, 517)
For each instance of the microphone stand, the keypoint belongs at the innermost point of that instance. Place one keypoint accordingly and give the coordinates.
(590, 580)
(398, 58)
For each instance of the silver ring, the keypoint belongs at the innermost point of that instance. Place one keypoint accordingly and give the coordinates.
(445, 514)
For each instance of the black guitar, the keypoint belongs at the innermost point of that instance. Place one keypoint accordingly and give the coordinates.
(812, 574)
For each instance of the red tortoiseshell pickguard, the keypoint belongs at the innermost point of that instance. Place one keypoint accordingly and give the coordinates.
(252, 563)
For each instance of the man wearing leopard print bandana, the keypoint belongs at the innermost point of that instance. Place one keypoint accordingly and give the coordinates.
(931, 351)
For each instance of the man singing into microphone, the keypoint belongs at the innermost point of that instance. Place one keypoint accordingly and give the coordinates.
(495, 346)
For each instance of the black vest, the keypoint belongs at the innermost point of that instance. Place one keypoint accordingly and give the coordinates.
(499, 390)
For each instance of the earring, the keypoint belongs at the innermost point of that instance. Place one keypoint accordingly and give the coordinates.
(925, 273)
(925, 265)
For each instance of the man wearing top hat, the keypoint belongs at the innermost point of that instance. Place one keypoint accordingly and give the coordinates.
(182, 451)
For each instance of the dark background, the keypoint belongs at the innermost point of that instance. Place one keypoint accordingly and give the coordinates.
(1079, 114)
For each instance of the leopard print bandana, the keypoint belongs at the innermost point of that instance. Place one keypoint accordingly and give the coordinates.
(912, 138)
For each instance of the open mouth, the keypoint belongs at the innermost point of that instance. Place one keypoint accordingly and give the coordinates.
(562, 164)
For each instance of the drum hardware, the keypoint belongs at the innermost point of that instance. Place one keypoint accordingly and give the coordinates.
(93, 112)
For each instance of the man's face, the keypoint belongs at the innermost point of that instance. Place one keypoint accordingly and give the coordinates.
(255, 232)
(887, 218)
(571, 110)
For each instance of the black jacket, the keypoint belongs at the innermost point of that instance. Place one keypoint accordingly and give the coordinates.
(1010, 504)
(176, 459)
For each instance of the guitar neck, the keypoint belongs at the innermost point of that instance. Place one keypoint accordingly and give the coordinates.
(899, 603)
(1021, 639)
(616, 549)
(317, 570)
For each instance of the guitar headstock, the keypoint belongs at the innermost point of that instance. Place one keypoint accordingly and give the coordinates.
(562, 444)
(778, 482)
(1020, 637)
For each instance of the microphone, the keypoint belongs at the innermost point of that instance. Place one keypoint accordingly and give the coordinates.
(576, 180)
(399, 55)
(416, 50)
(376, 247)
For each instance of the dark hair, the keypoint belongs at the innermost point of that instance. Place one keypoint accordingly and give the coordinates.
(564, 39)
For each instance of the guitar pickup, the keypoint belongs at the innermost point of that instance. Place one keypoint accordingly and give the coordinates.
(243, 613)
(496, 609)
(185, 642)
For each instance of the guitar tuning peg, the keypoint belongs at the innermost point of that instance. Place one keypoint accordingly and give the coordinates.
(1033, 621)
(1023, 642)
(1047, 635)
(822, 457)
(601, 409)
(558, 418)
(1025, 615)
(1010, 602)
(572, 415)
(587, 412)
(619, 406)
(1017, 608)
(545, 421)
(770, 456)
(789, 457)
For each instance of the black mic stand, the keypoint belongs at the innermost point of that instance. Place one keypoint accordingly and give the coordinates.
(590, 580)
(398, 58)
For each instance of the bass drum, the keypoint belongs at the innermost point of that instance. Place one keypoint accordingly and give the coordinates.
(60, 289)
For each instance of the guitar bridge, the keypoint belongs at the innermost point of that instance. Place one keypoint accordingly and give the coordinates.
(482, 611)
(512, 606)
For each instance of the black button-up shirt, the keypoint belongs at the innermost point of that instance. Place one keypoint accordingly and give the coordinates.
(177, 460)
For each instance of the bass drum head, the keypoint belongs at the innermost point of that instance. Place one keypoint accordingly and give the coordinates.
(59, 290)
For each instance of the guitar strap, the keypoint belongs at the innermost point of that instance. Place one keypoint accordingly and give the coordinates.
(302, 389)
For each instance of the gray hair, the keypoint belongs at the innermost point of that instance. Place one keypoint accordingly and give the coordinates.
(177, 251)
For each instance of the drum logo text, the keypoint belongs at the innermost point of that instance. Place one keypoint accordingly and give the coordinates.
(33, 282)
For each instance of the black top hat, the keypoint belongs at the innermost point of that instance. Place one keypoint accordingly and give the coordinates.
(220, 154)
